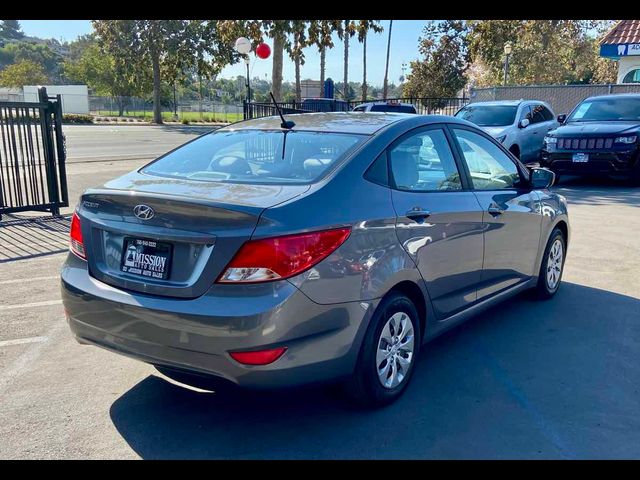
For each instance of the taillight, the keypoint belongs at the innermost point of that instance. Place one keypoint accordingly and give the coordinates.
(282, 257)
(76, 244)
(258, 357)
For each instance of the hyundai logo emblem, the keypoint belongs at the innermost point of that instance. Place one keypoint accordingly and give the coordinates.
(143, 212)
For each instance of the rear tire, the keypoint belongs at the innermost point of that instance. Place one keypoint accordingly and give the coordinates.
(388, 353)
(552, 266)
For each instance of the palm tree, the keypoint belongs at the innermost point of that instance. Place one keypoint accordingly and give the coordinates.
(386, 68)
(363, 29)
(320, 35)
(296, 52)
(347, 32)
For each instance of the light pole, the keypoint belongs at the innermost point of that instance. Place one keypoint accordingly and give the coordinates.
(246, 61)
(507, 52)
(243, 47)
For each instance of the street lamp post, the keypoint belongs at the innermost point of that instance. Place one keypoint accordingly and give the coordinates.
(507, 52)
(246, 61)
(243, 47)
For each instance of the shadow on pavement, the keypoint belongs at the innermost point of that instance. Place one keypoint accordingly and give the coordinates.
(23, 237)
(527, 379)
(598, 191)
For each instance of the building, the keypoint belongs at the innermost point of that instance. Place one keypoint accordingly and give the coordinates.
(75, 98)
(622, 44)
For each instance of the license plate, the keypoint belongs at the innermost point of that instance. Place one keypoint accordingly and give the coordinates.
(146, 258)
(580, 157)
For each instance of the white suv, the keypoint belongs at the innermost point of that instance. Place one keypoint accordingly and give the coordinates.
(520, 125)
(386, 106)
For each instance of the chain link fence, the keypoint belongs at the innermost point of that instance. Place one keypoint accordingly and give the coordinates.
(562, 98)
(185, 110)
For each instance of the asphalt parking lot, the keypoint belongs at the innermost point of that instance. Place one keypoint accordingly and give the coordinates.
(557, 379)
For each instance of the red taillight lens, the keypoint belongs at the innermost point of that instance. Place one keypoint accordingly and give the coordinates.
(75, 237)
(258, 357)
(282, 257)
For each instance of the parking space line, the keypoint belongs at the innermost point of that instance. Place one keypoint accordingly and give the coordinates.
(28, 305)
(22, 341)
(32, 279)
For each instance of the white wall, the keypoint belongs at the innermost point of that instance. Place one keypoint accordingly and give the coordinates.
(626, 64)
(75, 98)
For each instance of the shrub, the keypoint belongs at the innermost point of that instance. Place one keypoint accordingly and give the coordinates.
(74, 118)
(185, 121)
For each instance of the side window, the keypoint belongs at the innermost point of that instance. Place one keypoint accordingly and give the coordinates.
(546, 113)
(537, 114)
(490, 168)
(423, 162)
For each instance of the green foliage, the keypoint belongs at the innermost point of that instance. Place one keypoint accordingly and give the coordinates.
(544, 51)
(25, 72)
(441, 71)
(74, 118)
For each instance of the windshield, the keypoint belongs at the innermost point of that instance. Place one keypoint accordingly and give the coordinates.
(607, 109)
(489, 115)
(256, 156)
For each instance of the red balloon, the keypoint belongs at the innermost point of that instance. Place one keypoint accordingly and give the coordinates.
(263, 51)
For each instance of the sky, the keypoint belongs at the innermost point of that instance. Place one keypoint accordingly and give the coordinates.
(404, 48)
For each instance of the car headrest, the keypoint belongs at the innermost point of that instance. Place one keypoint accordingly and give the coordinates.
(235, 165)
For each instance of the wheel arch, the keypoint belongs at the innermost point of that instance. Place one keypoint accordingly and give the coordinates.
(414, 293)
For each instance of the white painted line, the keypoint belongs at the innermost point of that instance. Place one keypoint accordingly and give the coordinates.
(32, 279)
(28, 305)
(21, 341)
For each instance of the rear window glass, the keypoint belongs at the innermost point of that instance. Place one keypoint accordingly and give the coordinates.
(393, 108)
(257, 156)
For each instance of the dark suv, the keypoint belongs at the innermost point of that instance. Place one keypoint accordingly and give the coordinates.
(599, 137)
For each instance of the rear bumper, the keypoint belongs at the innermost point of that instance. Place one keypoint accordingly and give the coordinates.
(196, 335)
(610, 163)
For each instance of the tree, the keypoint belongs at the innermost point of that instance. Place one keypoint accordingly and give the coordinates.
(544, 51)
(25, 72)
(105, 75)
(156, 43)
(385, 88)
(39, 53)
(11, 30)
(321, 35)
(347, 31)
(363, 28)
(296, 52)
(441, 72)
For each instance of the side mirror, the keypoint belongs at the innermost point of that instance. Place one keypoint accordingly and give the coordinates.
(524, 123)
(541, 178)
(562, 118)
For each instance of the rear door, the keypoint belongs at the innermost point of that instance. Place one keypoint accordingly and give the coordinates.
(511, 211)
(439, 222)
(541, 123)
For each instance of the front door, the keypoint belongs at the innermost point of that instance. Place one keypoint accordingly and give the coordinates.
(439, 223)
(511, 212)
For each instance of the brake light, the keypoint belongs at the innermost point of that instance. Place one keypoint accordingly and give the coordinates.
(258, 357)
(282, 257)
(76, 245)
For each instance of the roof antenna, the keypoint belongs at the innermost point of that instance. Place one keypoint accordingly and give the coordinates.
(288, 124)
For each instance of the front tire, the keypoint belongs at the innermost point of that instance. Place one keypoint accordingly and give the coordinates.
(388, 354)
(552, 266)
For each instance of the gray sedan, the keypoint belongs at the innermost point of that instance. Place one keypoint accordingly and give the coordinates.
(267, 254)
(520, 125)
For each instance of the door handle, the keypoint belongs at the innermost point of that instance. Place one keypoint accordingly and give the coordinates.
(418, 214)
(495, 210)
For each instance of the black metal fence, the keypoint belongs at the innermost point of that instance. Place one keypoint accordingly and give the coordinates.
(423, 105)
(32, 156)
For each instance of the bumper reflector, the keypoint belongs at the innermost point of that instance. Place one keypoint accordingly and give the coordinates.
(258, 357)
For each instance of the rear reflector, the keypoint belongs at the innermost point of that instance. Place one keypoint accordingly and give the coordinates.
(258, 357)
(76, 244)
(282, 257)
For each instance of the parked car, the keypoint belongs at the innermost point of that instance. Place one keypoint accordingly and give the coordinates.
(325, 105)
(599, 137)
(386, 106)
(519, 125)
(265, 257)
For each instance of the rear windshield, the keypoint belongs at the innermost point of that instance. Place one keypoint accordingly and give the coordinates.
(607, 109)
(393, 108)
(257, 156)
(488, 115)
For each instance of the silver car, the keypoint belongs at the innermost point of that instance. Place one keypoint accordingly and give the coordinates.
(520, 125)
(270, 255)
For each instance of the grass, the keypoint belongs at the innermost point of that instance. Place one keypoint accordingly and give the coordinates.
(191, 117)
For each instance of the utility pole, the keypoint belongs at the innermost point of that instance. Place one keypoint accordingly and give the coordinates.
(386, 68)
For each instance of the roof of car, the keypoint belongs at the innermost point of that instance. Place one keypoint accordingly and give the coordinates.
(513, 103)
(346, 122)
(614, 95)
(385, 102)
